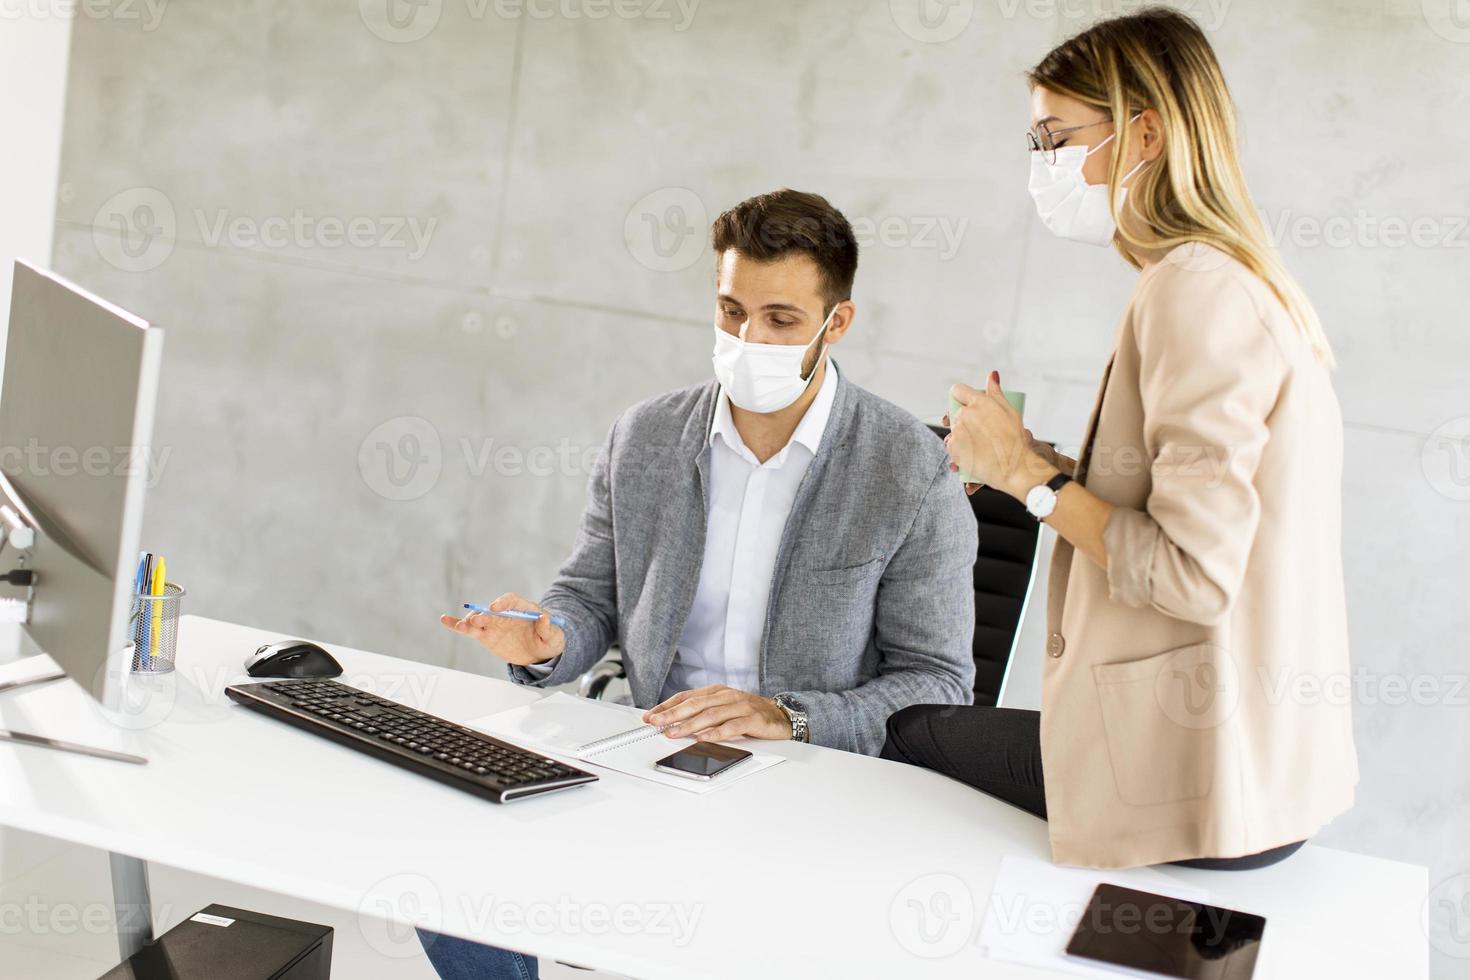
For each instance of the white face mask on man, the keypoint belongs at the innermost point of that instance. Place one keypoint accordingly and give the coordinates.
(762, 378)
(1068, 205)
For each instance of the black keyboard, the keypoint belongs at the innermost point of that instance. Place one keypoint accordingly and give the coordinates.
(453, 754)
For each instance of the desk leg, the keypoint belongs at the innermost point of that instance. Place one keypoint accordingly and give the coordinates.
(131, 903)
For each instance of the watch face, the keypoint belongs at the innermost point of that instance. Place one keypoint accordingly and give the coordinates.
(1040, 501)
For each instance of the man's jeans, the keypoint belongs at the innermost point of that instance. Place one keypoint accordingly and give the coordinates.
(462, 959)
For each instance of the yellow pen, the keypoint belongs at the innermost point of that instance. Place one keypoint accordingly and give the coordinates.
(156, 588)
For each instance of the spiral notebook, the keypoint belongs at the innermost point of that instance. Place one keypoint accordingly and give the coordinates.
(608, 735)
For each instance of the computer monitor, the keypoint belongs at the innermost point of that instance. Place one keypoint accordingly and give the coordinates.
(76, 427)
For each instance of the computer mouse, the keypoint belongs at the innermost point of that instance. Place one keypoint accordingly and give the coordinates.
(292, 658)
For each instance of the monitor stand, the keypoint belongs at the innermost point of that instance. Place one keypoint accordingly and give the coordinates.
(27, 682)
(44, 742)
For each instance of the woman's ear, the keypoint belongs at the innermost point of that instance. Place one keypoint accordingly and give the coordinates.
(1150, 128)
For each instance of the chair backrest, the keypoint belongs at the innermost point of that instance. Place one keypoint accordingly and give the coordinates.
(1005, 564)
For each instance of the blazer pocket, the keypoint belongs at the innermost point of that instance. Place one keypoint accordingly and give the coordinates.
(846, 575)
(1166, 719)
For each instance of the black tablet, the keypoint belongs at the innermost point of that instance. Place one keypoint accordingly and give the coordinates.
(1167, 936)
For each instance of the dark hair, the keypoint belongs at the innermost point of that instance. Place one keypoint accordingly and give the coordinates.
(771, 226)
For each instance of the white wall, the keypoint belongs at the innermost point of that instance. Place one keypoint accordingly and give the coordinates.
(33, 62)
(33, 71)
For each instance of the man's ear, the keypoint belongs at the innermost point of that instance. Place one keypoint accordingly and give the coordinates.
(842, 318)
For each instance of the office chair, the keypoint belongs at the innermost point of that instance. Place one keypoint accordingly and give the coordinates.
(595, 682)
(1005, 565)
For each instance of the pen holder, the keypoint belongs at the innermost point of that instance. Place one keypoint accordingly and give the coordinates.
(155, 630)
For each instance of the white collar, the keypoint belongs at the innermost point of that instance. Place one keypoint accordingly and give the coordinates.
(808, 431)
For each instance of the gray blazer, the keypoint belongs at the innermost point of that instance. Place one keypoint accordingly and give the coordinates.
(872, 603)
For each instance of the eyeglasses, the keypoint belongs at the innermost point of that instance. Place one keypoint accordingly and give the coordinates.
(1043, 139)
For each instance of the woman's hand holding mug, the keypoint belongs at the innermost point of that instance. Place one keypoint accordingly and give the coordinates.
(988, 443)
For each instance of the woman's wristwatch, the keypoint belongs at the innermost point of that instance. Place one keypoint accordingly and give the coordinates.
(795, 711)
(1041, 499)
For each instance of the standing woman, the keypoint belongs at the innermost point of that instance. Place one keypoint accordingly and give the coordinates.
(1197, 579)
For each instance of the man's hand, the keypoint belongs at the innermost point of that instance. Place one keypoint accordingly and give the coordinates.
(515, 641)
(717, 712)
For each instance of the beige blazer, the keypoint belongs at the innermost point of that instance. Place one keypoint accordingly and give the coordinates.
(1196, 695)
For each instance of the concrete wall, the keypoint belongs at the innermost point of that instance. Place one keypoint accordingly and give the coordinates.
(363, 427)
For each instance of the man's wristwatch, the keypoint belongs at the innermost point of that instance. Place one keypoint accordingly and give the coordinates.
(1041, 499)
(797, 713)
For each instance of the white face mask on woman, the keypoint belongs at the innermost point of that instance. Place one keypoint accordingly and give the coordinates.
(1070, 206)
(762, 377)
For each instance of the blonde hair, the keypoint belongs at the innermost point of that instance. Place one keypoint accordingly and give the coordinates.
(1195, 191)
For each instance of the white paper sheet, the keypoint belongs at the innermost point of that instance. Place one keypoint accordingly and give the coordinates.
(561, 724)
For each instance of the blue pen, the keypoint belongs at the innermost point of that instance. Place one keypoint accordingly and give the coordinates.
(140, 587)
(525, 614)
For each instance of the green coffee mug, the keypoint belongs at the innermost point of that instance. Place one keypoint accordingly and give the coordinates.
(1018, 402)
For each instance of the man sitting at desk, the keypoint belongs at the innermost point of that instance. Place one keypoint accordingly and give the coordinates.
(779, 553)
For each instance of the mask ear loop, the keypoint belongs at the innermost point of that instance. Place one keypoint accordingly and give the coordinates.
(1090, 152)
(1129, 175)
(1122, 184)
(1099, 146)
(820, 333)
(1137, 166)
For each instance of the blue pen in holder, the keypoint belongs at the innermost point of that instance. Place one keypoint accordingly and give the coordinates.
(155, 630)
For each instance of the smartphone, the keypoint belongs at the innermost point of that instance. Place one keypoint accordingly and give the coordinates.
(702, 760)
(1167, 936)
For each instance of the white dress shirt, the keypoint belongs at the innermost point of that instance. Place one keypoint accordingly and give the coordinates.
(749, 503)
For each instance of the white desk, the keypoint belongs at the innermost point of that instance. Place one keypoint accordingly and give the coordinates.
(794, 872)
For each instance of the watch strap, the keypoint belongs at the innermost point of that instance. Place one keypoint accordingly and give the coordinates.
(1057, 482)
(796, 714)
